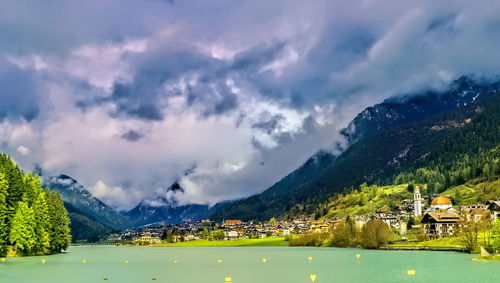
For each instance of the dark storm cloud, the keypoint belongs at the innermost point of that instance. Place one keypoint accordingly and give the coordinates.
(58, 25)
(269, 125)
(257, 56)
(19, 93)
(210, 95)
(132, 136)
(214, 99)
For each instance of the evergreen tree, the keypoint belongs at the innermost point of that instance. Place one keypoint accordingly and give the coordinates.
(32, 184)
(15, 188)
(32, 221)
(22, 234)
(14, 176)
(59, 231)
(41, 224)
(3, 214)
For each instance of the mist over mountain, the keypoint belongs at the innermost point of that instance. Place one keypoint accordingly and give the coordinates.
(409, 108)
(164, 209)
(306, 183)
(91, 218)
(380, 144)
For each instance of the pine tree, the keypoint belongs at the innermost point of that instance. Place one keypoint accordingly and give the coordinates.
(3, 214)
(59, 232)
(32, 184)
(41, 224)
(14, 178)
(15, 187)
(33, 221)
(22, 234)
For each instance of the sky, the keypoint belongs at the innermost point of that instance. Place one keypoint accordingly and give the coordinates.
(224, 96)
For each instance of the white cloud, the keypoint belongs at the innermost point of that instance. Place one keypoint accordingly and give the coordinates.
(112, 195)
(23, 150)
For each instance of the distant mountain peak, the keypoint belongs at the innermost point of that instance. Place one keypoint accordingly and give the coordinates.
(80, 199)
(163, 208)
(62, 178)
(175, 187)
(405, 109)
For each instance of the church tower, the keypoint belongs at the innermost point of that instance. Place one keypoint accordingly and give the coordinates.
(417, 202)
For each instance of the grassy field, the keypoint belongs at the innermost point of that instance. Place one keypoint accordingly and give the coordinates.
(488, 258)
(232, 243)
(366, 200)
(442, 242)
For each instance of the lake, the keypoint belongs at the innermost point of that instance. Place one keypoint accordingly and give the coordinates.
(245, 265)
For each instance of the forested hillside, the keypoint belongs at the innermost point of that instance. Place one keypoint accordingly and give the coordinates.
(85, 228)
(33, 220)
(91, 219)
(442, 151)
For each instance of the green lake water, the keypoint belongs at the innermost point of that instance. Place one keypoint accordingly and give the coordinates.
(244, 265)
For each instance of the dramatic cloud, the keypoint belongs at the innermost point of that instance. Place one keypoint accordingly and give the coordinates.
(224, 96)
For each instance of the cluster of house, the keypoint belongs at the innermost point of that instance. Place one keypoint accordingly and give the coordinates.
(156, 234)
(445, 221)
(442, 220)
(439, 219)
(237, 229)
(232, 229)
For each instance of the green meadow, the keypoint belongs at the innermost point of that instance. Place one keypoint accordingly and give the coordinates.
(233, 243)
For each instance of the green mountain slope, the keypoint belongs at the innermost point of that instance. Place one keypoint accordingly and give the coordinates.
(85, 228)
(366, 200)
(443, 151)
(475, 191)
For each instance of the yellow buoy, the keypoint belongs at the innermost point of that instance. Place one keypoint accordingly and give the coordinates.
(411, 272)
(3, 259)
(219, 261)
(175, 261)
(228, 279)
(358, 255)
(84, 261)
(313, 277)
(153, 279)
(264, 260)
(310, 258)
(105, 278)
(44, 260)
(126, 261)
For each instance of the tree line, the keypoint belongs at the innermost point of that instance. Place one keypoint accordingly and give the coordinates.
(33, 220)
(372, 235)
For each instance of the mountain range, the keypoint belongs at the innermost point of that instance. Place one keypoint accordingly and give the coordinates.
(383, 141)
(380, 145)
(163, 209)
(90, 217)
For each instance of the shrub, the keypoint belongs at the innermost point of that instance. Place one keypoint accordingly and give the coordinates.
(374, 234)
(314, 240)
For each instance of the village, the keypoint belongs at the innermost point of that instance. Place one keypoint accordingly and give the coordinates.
(436, 220)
